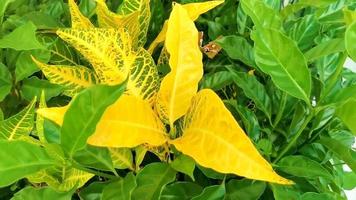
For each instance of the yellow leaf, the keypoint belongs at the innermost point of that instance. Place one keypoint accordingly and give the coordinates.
(73, 78)
(55, 114)
(108, 50)
(78, 20)
(122, 158)
(129, 122)
(213, 138)
(109, 19)
(180, 85)
(194, 11)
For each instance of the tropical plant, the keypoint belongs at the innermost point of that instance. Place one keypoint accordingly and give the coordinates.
(124, 104)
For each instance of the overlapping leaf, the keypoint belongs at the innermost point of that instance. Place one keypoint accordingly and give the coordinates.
(79, 21)
(210, 131)
(181, 83)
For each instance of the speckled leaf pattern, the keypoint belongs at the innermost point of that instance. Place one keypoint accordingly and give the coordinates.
(19, 125)
(210, 131)
(108, 50)
(180, 85)
(73, 78)
(79, 21)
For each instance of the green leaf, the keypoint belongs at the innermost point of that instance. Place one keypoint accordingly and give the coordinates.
(184, 164)
(151, 180)
(281, 192)
(244, 189)
(217, 80)
(304, 31)
(347, 113)
(325, 48)
(19, 125)
(261, 14)
(350, 39)
(342, 152)
(5, 82)
(84, 113)
(316, 196)
(349, 181)
(31, 193)
(180, 191)
(215, 192)
(254, 90)
(237, 48)
(122, 158)
(120, 190)
(33, 87)
(1, 115)
(3, 6)
(19, 159)
(93, 191)
(273, 52)
(22, 38)
(302, 166)
(95, 157)
(25, 65)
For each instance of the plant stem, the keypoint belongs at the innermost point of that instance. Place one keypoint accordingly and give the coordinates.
(295, 138)
(98, 173)
(282, 105)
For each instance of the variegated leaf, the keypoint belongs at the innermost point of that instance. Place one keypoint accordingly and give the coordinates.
(73, 78)
(78, 20)
(40, 119)
(20, 125)
(122, 158)
(143, 7)
(108, 50)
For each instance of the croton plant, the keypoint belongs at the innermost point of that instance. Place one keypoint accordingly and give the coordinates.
(162, 100)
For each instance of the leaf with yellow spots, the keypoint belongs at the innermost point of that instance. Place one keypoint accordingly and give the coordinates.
(213, 138)
(73, 78)
(180, 85)
(108, 50)
(78, 20)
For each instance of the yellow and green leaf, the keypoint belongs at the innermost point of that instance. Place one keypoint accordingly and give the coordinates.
(213, 138)
(40, 119)
(20, 125)
(108, 50)
(73, 78)
(79, 21)
(180, 85)
(122, 158)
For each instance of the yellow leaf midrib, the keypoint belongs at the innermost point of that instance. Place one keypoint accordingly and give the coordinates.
(13, 132)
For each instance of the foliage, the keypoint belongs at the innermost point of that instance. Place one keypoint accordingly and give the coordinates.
(128, 100)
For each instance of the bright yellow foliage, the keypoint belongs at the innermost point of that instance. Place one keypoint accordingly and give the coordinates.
(194, 11)
(213, 138)
(180, 85)
(78, 20)
(55, 114)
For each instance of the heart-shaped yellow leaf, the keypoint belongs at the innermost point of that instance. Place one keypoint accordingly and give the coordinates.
(213, 138)
(180, 85)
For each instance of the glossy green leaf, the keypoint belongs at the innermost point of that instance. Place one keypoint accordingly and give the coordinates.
(217, 80)
(215, 192)
(95, 157)
(349, 180)
(281, 192)
(254, 90)
(325, 48)
(32, 87)
(261, 14)
(273, 52)
(120, 190)
(347, 113)
(25, 65)
(32, 193)
(3, 6)
(342, 152)
(316, 196)
(83, 114)
(350, 39)
(151, 180)
(19, 159)
(302, 166)
(184, 164)
(180, 191)
(5, 82)
(237, 48)
(93, 191)
(244, 189)
(22, 38)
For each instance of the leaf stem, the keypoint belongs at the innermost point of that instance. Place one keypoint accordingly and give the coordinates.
(295, 138)
(281, 108)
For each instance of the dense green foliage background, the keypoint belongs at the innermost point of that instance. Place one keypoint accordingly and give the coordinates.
(306, 133)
